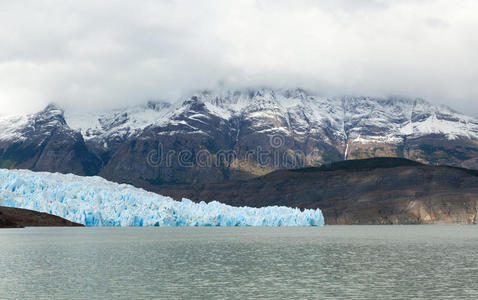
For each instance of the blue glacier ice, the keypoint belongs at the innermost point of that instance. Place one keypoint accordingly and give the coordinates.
(94, 201)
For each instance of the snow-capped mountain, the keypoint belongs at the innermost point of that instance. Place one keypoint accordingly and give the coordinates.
(44, 142)
(293, 127)
(119, 124)
(293, 112)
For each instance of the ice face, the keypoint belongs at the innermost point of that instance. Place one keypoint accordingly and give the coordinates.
(94, 201)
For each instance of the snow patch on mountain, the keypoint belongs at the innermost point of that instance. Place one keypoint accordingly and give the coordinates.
(11, 127)
(119, 124)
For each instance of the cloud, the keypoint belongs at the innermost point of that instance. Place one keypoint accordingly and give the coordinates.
(101, 54)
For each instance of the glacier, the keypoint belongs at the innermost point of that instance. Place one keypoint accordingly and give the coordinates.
(94, 201)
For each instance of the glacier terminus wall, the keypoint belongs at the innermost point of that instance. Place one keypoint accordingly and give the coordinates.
(94, 201)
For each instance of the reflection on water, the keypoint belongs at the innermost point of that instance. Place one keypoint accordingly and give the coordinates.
(327, 262)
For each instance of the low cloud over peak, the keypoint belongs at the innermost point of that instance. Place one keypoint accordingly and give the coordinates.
(93, 55)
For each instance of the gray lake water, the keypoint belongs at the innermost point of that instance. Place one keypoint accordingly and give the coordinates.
(350, 262)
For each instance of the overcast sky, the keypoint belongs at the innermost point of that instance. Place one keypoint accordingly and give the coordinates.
(98, 54)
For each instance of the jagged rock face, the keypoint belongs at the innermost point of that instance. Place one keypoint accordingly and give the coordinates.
(44, 142)
(215, 136)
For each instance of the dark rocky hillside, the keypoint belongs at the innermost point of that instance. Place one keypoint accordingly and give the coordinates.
(18, 218)
(370, 191)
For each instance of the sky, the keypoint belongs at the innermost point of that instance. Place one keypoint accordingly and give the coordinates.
(91, 55)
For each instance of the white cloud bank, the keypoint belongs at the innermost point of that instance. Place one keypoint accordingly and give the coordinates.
(95, 54)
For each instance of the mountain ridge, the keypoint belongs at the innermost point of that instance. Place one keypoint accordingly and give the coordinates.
(312, 130)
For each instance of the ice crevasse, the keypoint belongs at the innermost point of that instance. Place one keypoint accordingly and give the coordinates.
(94, 201)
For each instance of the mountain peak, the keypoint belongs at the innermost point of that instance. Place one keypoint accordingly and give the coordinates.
(52, 106)
(51, 113)
(52, 110)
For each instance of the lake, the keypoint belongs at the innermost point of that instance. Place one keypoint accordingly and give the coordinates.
(384, 262)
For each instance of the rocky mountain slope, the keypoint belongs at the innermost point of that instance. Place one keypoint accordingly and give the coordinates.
(223, 135)
(370, 191)
(43, 142)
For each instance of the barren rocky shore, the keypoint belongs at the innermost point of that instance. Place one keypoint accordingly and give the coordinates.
(18, 218)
